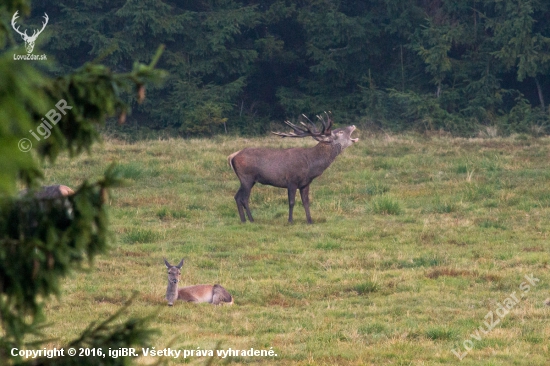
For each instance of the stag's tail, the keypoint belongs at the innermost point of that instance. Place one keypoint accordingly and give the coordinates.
(221, 296)
(230, 160)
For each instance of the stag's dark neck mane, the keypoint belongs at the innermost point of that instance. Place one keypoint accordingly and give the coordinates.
(334, 148)
(324, 153)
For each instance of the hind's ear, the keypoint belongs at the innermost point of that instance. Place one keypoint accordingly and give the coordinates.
(180, 265)
(167, 264)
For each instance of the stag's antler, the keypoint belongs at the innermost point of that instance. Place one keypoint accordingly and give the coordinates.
(327, 125)
(309, 129)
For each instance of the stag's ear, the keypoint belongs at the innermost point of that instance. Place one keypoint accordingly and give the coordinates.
(180, 265)
(336, 132)
(328, 138)
(167, 264)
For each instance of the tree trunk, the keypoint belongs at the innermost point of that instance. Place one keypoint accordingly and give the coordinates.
(541, 96)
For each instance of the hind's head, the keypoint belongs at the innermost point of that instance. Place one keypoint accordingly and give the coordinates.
(174, 273)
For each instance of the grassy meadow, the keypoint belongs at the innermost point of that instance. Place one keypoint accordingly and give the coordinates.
(416, 239)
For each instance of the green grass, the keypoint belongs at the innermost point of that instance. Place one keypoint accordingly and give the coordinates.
(376, 188)
(140, 235)
(366, 287)
(414, 241)
(386, 205)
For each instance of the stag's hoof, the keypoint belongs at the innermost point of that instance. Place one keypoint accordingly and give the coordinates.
(170, 304)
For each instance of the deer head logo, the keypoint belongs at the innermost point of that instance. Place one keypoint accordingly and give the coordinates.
(29, 40)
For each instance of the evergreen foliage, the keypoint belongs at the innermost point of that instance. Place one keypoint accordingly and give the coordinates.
(237, 64)
(42, 240)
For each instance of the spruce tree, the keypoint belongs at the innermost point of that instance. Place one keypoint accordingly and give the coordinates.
(206, 53)
(43, 240)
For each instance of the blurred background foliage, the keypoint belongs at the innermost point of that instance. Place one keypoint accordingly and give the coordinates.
(237, 65)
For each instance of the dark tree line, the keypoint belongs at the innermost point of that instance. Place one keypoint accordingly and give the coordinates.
(238, 64)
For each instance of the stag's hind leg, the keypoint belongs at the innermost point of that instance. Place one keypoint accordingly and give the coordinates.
(238, 200)
(242, 197)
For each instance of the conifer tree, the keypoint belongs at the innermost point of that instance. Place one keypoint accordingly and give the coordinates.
(206, 52)
(42, 240)
(518, 43)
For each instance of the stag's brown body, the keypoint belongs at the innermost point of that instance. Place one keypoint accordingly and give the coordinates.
(48, 192)
(293, 168)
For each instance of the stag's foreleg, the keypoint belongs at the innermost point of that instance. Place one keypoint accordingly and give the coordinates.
(291, 201)
(304, 193)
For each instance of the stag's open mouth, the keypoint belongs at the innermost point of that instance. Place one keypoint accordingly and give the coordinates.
(353, 129)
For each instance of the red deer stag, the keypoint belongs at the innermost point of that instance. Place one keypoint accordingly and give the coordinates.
(50, 192)
(213, 294)
(292, 168)
(52, 201)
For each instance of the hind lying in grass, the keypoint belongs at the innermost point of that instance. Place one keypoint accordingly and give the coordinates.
(215, 294)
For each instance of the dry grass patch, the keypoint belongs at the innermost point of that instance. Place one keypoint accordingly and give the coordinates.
(450, 272)
(534, 249)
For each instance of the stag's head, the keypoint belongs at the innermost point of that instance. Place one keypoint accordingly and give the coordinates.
(29, 40)
(342, 136)
(174, 272)
(339, 136)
